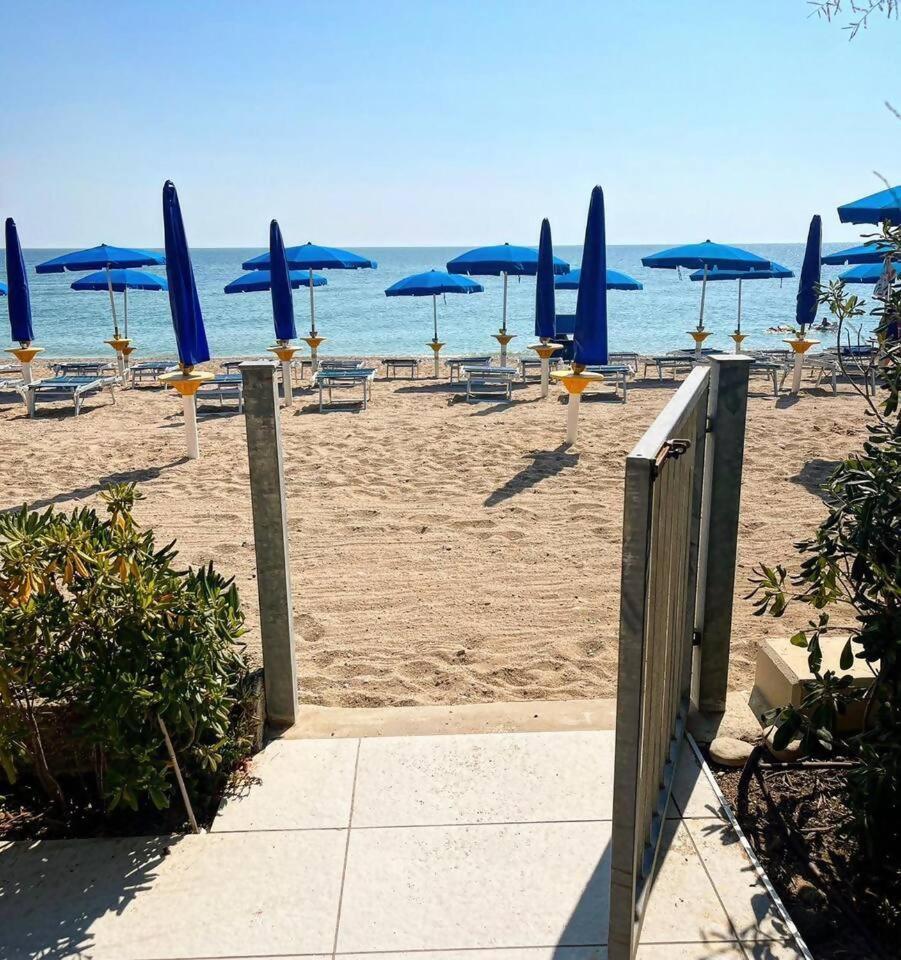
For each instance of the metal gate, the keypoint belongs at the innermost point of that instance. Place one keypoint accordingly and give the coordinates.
(661, 537)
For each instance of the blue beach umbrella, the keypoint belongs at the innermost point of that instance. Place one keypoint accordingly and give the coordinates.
(184, 304)
(121, 281)
(705, 256)
(809, 282)
(590, 337)
(867, 272)
(280, 287)
(885, 205)
(18, 298)
(615, 280)
(775, 272)
(103, 257)
(258, 281)
(433, 283)
(866, 253)
(545, 307)
(501, 261)
(310, 257)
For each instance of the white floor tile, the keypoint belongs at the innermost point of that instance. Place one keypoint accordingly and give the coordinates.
(683, 906)
(753, 914)
(468, 887)
(295, 784)
(497, 778)
(691, 789)
(245, 894)
(519, 953)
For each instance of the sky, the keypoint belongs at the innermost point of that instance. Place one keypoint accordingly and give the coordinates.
(416, 122)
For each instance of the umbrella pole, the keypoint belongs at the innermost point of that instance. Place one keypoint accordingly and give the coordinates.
(738, 336)
(312, 307)
(700, 335)
(117, 342)
(503, 339)
(435, 347)
(125, 310)
(112, 303)
(189, 406)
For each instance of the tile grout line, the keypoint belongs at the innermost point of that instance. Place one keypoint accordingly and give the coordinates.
(350, 821)
(430, 826)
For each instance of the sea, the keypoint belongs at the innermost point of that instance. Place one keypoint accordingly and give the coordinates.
(356, 318)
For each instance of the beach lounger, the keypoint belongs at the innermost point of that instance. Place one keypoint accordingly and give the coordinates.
(455, 365)
(628, 359)
(771, 369)
(6, 369)
(673, 362)
(335, 378)
(617, 373)
(411, 364)
(224, 386)
(150, 370)
(82, 368)
(527, 364)
(483, 380)
(72, 388)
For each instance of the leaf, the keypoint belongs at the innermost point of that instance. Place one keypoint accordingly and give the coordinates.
(846, 660)
(799, 639)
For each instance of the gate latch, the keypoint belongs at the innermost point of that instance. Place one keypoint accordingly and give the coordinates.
(671, 449)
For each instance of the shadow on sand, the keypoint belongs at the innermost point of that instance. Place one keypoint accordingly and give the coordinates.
(544, 464)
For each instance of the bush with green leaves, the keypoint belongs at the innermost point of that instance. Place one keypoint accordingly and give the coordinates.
(97, 621)
(852, 567)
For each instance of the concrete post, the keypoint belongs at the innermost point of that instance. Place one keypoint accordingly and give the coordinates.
(270, 532)
(727, 410)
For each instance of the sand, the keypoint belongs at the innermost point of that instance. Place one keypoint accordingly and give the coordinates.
(440, 552)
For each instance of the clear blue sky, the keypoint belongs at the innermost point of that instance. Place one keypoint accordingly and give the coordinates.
(418, 122)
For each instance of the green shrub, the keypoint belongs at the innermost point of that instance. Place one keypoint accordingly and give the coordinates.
(852, 565)
(98, 621)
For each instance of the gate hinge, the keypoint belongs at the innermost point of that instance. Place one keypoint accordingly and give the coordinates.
(708, 428)
(696, 638)
(671, 449)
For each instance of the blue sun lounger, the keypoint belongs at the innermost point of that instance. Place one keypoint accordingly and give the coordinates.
(65, 388)
(331, 378)
(224, 386)
(150, 370)
(82, 368)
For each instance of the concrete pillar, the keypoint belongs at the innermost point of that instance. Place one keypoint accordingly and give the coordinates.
(727, 409)
(270, 532)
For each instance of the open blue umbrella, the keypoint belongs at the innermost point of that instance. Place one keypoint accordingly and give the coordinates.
(280, 287)
(809, 282)
(885, 205)
(867, 272)
(545, 306)
(184, 304)
(590, 338)
(18, 298)
(121, 281)
(310, 257)
(433, 283)
(705, 256)
(865, 253)
(615, 280)
(103, 257)
(775, 272)
(502, 260)
(258, 281)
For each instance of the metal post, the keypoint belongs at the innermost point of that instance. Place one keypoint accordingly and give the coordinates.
(189, 408)
(572, 417)
(312, 308)
(112, 302)
(727, 411)
(270, 531)
(545, 375)
(286, 383)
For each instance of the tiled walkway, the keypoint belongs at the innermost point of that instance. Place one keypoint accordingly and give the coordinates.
(486, 847)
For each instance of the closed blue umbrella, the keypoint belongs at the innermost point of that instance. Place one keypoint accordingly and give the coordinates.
(18, 298)
(310, 257)
(545, 307)
(865, 253)
(615, 280)
(258, 281)
(590, 338)
(2, 289)
(184, 304)
(885, 205)
(121, 281)
(280, 287)
(775, 272)
(809, 282)
(103, 257)
(433, 283)
(501, 260)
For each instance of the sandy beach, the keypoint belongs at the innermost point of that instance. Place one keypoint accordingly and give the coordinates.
(441, 552)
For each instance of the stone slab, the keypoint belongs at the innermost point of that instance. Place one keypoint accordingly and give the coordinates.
(294, 785)
(508, 778)
(476, 887)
